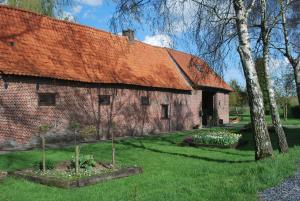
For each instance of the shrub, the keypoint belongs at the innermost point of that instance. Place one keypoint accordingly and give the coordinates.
(88, 132)
(49, 165)
(216, 137)
(86, 162)
(295, 111)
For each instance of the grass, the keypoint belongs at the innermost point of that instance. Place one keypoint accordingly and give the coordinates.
(245, 118)
(170, 172)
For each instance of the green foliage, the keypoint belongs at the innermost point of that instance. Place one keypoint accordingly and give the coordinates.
(217, 137)
(88, 132)
(44, 7)
(237, 99)
(86, 162)
(295, 111)
(44, 128)
(74, 126)
(49, 165)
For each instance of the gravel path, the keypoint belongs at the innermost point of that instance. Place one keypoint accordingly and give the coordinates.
(289, 190)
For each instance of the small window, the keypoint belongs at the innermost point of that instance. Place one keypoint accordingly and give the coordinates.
(165, 111)
(47, 99)
(145, 100)
(5, 85)
(104, 99)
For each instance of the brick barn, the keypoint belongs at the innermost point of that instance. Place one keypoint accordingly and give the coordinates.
(55, 72)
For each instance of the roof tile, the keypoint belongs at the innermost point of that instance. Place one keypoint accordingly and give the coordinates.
(198, 71)
(46, 47)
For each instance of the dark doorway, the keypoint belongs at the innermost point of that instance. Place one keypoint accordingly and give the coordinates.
(207, 107)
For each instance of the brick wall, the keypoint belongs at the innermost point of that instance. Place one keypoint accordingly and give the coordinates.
(222, 105)
(20, 115)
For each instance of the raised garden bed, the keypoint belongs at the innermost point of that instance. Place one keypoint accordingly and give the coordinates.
(61, 177)
(2, 175)
(214, 138)
(233, 146)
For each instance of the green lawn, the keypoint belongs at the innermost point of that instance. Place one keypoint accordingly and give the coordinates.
(170, 172)
(245, 118)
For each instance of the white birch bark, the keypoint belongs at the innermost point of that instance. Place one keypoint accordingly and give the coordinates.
(263, 147)
(283, 146)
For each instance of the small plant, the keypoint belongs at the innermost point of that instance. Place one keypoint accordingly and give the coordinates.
(2, 175)
(49, 165)
(88, 132)
(75, 126)
(43, 129)
(86, 162)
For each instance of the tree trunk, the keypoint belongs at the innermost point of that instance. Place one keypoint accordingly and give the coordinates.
(285, 109)
(283, 146)
(110, 127)
(263, 146)
(297, 77)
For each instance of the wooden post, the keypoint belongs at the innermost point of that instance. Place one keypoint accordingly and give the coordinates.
(76, 159)
(113, 157)
(43, 154)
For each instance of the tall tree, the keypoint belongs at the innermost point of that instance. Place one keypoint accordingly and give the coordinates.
(291, 49)
(262, 138)
(238, 98)
(266, 29)
(52, 8)
(285, 87)
(213, 25)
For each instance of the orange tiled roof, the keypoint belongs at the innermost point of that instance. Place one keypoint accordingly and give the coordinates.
(35, 45)
(198, 71)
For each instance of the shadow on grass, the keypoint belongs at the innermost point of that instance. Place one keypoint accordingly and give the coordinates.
(142, 146)
(179, 140)
(292, 135)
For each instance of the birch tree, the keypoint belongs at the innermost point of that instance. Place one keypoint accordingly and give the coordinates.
(266, 29)
(291, 50)
(214, 25)
(285, 87)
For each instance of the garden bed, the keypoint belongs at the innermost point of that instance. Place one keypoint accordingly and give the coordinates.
(218, 138)
(62, 177)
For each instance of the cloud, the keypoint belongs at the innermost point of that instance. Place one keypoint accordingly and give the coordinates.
(3, 1)
(91, 2)
(67, 16)
(159, 40)
(76, 9)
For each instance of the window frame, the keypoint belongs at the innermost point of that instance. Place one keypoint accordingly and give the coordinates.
(147, 103)
(47, 103)
(165, 111)
(105, 102)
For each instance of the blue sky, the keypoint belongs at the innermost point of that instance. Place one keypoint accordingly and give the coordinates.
(97, 13)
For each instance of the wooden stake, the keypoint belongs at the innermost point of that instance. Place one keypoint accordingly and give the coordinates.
(43, 154)
(113, 157)
(76, 159)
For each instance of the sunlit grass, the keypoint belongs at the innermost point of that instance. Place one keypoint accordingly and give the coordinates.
(170, 173)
